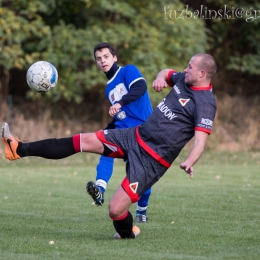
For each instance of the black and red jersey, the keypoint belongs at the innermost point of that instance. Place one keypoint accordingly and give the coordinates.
(172, 124)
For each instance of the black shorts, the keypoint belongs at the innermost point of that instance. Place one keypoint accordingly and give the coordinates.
(142, 170)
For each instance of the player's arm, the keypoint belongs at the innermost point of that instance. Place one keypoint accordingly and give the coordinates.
(162, 80)
(136, 91)
(200, 139)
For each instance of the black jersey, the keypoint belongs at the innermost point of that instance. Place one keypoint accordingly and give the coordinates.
(174, 121)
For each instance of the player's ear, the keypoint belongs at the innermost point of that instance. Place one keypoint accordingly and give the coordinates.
(115, 58)
(202, 73)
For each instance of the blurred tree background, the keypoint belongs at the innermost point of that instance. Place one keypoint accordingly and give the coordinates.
(152, 35)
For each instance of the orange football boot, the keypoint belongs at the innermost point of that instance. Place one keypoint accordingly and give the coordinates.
(136, 230)
(10, 142)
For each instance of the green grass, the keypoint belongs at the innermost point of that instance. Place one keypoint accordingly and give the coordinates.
(216, 215)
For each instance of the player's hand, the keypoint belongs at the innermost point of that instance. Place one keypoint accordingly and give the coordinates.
(159, 85)
(114, 109)
(187, 168)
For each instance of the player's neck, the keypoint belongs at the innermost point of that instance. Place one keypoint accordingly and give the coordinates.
(110, 74)
(207, 86)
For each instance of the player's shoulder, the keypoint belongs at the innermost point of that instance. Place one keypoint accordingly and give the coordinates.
(206, 98)
(131, 70)
(176, 75)
(179, 74)
(130, 67)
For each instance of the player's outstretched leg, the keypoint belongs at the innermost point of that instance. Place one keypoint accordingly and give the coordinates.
(10, 143)
(95, 193)
(49, 148)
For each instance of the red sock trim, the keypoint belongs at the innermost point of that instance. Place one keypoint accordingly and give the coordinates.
(76, 143)
(120, 218)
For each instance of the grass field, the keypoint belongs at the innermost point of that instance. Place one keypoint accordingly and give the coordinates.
(216, 215)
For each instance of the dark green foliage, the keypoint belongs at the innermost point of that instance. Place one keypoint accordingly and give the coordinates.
(149, 34)
(65, 33)
(235, 42)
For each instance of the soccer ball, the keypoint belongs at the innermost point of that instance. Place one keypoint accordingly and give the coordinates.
(42, 76)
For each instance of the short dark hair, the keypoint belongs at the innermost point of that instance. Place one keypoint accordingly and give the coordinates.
(103, 45)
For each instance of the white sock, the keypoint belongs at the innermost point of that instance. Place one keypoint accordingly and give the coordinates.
(138, 208)
(101, 183)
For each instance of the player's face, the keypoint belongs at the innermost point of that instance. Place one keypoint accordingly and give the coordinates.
(192, 72)
(105, 59)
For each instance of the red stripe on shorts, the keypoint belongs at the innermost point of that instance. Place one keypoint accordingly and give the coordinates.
(126, 186)
(156, 156)
(115, 154)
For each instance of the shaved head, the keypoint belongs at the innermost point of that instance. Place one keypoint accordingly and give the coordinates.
(206, 62)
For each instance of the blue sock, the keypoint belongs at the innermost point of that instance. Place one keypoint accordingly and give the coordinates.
(142, 204)
(104, 172)
(102, 189)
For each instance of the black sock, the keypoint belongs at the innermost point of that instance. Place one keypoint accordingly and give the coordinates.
(124, 226)
(48, 148)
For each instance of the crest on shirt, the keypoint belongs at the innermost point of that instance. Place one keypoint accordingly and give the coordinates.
(183, 101)
(121, 115)
(116, 93)
(133, 186)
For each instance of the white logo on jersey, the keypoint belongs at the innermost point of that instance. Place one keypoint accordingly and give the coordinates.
(177, 89)
(117, 93)
(166, 110)
(206, 121)
(121, 115)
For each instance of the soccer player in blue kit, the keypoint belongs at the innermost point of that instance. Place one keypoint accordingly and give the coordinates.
(126, 91)
(187, 112)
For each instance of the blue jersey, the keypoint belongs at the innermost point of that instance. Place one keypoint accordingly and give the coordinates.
(136, 112)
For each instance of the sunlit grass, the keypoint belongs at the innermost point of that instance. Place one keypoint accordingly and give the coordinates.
(216, 215)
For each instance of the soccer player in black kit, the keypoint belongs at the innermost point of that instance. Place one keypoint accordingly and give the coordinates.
(187, 111)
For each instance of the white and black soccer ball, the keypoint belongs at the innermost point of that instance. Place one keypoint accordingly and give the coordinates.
(42, 76)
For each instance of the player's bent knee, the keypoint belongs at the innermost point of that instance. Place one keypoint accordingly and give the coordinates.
(116, 210)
